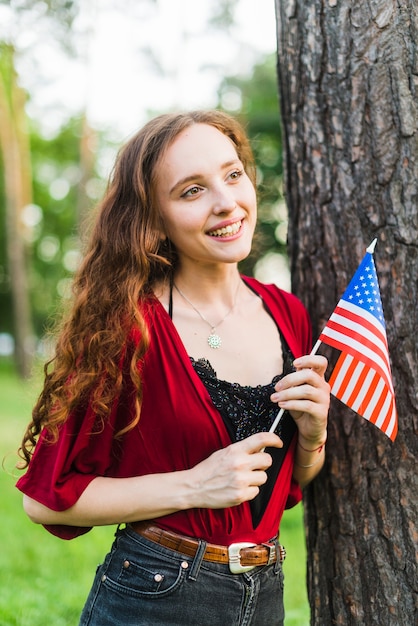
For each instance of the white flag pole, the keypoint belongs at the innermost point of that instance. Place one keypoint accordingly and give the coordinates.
(372, 246)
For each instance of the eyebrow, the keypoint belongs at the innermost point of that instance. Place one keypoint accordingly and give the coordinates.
(192, 177)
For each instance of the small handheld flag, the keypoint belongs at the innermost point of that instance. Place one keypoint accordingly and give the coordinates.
(361, 378)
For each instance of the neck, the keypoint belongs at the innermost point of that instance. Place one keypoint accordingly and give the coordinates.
(209, 287)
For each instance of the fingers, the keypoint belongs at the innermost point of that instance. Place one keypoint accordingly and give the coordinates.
(250, 452)
(315, 362)
(233, 474)
(305, 392)
(310, 371)
(248, 463)
(309, 390)
(304, 399)
(259, 441)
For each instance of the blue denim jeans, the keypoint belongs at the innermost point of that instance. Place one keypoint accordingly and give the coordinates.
(141, 583)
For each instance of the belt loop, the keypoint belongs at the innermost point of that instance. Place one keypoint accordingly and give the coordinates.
(197, 560)
(277, 564)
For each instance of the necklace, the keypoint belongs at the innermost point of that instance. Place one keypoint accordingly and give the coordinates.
(214, 340)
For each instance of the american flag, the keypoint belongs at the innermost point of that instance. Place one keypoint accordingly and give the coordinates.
(362, 378)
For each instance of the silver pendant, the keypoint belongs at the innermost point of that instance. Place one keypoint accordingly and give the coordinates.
(214, 341)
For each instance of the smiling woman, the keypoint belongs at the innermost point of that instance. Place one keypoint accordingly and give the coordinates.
(147, 422)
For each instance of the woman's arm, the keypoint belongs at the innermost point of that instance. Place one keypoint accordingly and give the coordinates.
(228, 477)
(308, 462)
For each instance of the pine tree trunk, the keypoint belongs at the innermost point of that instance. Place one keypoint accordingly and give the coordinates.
(14, 144)
(348, 81)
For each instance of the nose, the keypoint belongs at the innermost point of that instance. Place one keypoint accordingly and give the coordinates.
(224, 199)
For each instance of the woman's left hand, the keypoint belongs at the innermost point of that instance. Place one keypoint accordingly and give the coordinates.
(306, 394)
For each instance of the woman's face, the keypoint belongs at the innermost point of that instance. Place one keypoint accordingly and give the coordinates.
(206, 200)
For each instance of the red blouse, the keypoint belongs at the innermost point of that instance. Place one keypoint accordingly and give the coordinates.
(178, 428)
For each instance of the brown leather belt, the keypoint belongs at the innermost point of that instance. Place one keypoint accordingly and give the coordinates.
(240, 557)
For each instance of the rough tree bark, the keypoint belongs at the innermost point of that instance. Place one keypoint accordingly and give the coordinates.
(348, 81)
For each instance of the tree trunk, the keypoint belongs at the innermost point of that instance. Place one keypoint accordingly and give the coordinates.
(88, 144)
(14, 144)
(348, 80)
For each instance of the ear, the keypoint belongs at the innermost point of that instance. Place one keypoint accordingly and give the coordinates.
(160, 228)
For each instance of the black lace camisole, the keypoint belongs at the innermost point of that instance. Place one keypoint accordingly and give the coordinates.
(245, 410)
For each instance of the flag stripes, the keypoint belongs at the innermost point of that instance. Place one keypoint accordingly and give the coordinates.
(365, 392)
(345, 331)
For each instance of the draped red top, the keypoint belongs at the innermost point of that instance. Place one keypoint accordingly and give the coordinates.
(179, 427)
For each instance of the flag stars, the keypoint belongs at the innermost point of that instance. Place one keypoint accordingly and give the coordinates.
(363, 292)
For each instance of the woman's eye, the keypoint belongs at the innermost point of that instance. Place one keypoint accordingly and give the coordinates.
(192, 191)
(236, 174)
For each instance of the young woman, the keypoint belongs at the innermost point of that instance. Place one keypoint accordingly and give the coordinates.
(168, 373)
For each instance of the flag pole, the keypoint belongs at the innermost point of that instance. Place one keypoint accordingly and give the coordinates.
(372, 246)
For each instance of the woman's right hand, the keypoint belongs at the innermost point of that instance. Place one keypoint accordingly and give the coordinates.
(233, 474)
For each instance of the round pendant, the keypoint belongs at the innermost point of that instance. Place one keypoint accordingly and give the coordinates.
(214, 341)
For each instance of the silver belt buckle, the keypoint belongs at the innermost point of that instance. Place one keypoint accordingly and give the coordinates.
(234, 556)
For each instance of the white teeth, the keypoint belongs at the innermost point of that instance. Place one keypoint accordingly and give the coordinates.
(231, 229)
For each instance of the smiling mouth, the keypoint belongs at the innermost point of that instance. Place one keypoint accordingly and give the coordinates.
(227, 231)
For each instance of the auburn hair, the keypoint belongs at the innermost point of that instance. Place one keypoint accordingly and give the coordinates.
(125, 256)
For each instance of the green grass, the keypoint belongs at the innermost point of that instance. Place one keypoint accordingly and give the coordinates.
(44, 580)
(292, 536)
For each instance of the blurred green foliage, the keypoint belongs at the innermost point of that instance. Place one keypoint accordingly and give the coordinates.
(50, 224)
(56, 172)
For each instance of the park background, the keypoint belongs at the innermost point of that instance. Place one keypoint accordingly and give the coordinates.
(77, 79)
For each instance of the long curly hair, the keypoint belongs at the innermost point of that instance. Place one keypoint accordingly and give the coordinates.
(126, 255)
